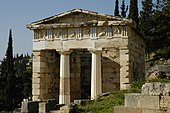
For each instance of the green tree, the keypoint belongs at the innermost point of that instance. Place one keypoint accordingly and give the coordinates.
(154, 24)
(15, 77)
(116, 11)
(10, 89)
(123, 10)
(133, 12)
(146, 23)
(161, 25)
(159, 5)
(3, 72)
(23, 72)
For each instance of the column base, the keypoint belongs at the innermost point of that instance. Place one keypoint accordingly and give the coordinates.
(64, 99)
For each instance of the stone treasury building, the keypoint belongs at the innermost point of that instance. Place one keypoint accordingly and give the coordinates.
(81, 54)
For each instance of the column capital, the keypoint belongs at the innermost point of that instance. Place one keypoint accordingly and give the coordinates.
(123, 48)
(95, 51)
(65, 52)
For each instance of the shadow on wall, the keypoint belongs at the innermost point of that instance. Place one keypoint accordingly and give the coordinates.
(80, 68)
(80, 61)
(137, 75)
(110, 75)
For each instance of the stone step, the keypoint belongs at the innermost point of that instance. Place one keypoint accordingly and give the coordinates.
(55, 111)
(142, 101)
(60, 111)
(122, 109)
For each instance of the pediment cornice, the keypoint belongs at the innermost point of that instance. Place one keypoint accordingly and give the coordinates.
(46, 21)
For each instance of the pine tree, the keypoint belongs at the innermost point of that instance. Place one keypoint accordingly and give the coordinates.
(116, 12)
(10, 75)
(133, 13)
(123, 10)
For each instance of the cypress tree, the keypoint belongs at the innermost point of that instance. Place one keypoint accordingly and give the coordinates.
(2, 83)
(116, 12)
(146, 16)
(10, 75)
(133, 13)
(146, 23)
(123, 10)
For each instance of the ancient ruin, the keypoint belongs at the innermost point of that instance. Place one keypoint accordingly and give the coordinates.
(80, 54)
(154, 98)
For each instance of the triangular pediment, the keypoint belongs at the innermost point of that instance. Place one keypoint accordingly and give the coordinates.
(77, 15)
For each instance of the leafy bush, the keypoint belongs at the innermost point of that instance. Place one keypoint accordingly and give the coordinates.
(136, 86)
(163, 53)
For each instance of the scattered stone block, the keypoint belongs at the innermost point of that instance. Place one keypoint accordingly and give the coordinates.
(122, 109)
(152, 111)
(43, 107)
(154, 98)
(132, 99)
(29, 106)
(141, 101)
(156, 89)
(148, 102)
(165, 102)
(81, 102)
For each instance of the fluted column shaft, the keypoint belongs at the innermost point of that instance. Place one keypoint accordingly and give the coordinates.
(64, 96)
(96, 81)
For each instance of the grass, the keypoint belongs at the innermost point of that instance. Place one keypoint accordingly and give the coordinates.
(104, 104)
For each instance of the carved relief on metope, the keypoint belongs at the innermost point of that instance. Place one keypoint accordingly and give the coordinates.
(72, 35)
(57, 33)
(116, 30)
(102, 32)
(86, 31)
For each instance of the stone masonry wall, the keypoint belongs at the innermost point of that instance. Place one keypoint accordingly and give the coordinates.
(85, 59)
(75, 71)
(110, 70)
(136, 56)
(45, 80)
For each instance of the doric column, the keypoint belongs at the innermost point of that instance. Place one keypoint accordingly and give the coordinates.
(96, 82)
(64, 96)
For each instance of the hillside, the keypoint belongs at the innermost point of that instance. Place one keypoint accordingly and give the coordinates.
(106, 104)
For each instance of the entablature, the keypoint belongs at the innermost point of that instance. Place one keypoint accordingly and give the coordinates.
(77, 24)
(83, 32)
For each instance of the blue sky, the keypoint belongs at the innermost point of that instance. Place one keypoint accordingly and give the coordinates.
(15, 14)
